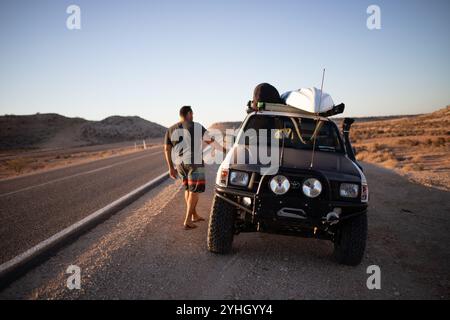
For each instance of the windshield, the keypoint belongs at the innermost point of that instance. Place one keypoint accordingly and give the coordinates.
(297, 132)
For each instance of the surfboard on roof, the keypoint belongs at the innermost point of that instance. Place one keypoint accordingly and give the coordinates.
(311, 100)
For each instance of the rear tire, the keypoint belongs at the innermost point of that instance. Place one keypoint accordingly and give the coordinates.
(351, 240)
(221, 226)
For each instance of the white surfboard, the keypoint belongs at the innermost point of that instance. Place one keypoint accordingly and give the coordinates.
(311, 100)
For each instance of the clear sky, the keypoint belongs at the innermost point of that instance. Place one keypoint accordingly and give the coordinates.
(148, 58)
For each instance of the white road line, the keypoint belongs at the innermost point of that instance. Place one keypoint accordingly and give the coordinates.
(76, 175)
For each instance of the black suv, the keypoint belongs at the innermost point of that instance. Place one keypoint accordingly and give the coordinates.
(317, 190)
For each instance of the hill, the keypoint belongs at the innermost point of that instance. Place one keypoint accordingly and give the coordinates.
(56, 131)
(222, 126)
(117, 129)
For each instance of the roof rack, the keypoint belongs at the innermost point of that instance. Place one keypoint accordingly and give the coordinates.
(278, 107)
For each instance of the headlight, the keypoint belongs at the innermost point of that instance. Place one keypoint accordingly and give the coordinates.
(239, 178)
(280, 184)
(312, 187)
(348, 190)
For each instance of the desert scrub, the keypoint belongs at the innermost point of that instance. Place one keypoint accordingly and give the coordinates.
(16, 165)
(414, 167)
(376, 147)
(392, 163)
(439, 142)
(409, 142)
(362, 156)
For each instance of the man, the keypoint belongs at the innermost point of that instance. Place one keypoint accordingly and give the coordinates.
(184, 140)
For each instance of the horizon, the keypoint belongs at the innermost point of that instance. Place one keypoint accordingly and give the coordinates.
(149, 59)
(224, 121)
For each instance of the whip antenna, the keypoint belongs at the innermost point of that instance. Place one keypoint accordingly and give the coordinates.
(315, 133)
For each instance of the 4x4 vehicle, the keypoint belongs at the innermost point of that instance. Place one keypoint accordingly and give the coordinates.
(319, 190)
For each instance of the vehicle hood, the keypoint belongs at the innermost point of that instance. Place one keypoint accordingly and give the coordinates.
(336, 166)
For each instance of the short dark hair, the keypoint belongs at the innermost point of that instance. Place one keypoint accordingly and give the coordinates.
(185, 110)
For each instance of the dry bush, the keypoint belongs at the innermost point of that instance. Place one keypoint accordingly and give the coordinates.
(362, 156)
(409, 142)
(378, 147)
(376, 153)
(414, 167)
(391, 163)
(16, 165)
(386, 156)
(439, 142)
(429, 142)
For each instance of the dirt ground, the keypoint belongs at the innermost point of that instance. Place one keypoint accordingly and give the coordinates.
(143, 253)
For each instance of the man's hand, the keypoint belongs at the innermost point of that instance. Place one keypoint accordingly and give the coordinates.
(216, 146)
(173, 173)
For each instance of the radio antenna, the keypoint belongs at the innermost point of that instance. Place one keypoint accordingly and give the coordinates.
(315, 133)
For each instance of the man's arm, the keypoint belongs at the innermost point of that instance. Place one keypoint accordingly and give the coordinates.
(168, 154)
(209, 140)
(215, 145)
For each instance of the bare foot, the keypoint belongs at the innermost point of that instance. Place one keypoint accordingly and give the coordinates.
(188, 226)
(197, 218)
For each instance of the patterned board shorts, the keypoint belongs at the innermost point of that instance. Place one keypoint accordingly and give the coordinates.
(193, 177)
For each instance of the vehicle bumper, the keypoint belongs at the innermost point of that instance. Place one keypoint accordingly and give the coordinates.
(276, 211)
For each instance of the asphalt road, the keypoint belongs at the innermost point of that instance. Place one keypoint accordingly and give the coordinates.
(13, 154)
(34, 207)
(143, 253)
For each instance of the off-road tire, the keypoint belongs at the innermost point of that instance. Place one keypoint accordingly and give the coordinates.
(350, 243)
(221, 226)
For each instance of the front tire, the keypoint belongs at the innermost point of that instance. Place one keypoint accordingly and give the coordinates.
(221, 226)
(350, 242)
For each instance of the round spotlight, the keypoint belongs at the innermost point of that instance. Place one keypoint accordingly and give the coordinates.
(312, 187)
(280, 184)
